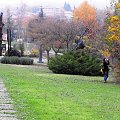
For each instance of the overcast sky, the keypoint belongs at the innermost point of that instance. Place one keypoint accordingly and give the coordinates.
(52, 3)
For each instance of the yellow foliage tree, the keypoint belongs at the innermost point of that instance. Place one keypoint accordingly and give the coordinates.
(113, 29)
(113, 39)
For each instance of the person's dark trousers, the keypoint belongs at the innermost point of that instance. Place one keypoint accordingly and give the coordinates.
(105, 76)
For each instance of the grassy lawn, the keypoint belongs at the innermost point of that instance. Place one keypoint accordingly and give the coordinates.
(39, 94)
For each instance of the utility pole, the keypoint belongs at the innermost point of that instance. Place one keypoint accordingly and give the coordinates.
(1, 27)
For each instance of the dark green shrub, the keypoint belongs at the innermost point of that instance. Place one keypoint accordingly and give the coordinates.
(13, 52)
(26, 61)
(10, 60)
(75, 63)
(4, 60)
(16, 60)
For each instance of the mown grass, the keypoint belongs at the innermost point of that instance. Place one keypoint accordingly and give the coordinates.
(38, 94)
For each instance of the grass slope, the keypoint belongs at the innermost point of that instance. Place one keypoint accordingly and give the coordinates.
(39, 94)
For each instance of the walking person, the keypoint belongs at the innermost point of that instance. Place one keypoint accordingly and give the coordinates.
(105, 69)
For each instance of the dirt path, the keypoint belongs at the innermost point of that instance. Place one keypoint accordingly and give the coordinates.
(6, 108)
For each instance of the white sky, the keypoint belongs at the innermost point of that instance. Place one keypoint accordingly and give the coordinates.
(56, 3)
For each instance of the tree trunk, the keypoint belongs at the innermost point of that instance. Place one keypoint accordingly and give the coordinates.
(0, 47)
(56, 50)
(40, 54)
(67, 46)
(56, 53)
(48, 55)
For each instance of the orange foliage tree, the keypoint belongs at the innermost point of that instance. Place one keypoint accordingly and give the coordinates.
(86, 14)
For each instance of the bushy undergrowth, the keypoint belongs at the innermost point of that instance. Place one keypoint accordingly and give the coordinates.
(13, 52)
(116, 71)
(80, 63)
(16, 60)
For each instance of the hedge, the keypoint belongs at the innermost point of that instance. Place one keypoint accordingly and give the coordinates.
(17, 60)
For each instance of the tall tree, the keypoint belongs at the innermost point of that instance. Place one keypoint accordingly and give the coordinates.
(21, 14)
(39, 30)
(87, 15)
(113, 38)
(1, 27)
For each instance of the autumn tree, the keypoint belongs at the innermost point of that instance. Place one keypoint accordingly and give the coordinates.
(39, 30)
(86, 14)
(112, 38)
(34, 33)
(50, 32)
(66, 32)
(56, 28)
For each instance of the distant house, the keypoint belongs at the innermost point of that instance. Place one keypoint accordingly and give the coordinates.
(4, 37)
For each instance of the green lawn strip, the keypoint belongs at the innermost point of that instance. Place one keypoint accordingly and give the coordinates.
(39, 94)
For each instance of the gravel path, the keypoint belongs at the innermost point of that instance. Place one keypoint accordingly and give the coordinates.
(6, 109)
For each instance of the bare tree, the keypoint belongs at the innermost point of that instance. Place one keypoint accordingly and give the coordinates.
(20, 31)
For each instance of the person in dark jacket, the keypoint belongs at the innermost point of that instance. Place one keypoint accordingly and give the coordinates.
(105, 69)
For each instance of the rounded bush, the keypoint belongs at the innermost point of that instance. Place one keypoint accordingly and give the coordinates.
(26, 61)
(75, 63)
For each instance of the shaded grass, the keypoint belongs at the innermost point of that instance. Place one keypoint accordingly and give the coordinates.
(39, 94)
